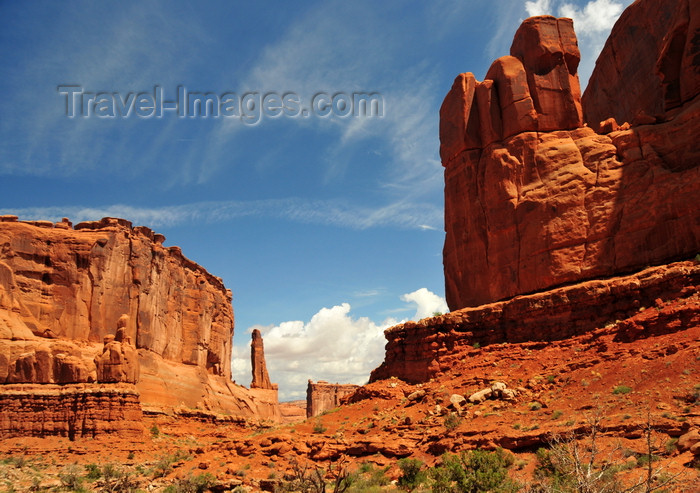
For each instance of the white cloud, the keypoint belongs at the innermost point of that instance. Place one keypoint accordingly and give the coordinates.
(592, 22)
(538, 7)
(427, 303)
(596, 17)
(332, 346)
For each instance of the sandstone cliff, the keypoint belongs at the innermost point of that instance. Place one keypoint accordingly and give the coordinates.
(535, 199)
(105, 302)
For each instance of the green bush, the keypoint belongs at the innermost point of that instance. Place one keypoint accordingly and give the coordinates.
(643, 460)
(473, 472)
(93, 472)
(70, 477)
(370, 478)
(452, 421)
(192, 484)
(411, 476)
(622, 389)
(155, 432)
(163, 466)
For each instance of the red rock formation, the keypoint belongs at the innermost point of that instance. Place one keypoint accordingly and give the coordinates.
(72, 411)
(323, 396)
(64, 291)
(534, 200)
(649, 64)
(119, 360)
(77, 284)
(418, 351)
(261, 379)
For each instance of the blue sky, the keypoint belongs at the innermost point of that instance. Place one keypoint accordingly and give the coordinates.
(326, 229)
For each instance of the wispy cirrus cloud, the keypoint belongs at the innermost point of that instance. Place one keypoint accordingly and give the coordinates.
(333, 48)
(114, 55)
(404, 215)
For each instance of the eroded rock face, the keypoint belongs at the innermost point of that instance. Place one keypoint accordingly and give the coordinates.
(649, 65)
(119, 361)
(534, 199)
(78, 283)
(323, 396)
(108, 303)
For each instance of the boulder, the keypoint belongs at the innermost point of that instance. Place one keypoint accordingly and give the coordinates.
(480, 396)
(688, 440)
(416, 396)
(457, 401)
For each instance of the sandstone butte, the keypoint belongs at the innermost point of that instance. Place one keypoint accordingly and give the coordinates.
(106, 303)
(323, 396)
(544, 188)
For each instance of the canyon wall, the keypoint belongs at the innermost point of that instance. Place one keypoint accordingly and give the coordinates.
(535, 199)
(75, 284)
(105, 302)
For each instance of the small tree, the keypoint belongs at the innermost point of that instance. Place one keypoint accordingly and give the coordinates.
(473, 472)
(411, 476)
(573, 463)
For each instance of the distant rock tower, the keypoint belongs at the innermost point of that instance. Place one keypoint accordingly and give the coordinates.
(261, 379)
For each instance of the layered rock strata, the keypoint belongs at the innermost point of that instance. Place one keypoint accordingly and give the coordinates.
(535, 199)
(104, 302)
(323, 396)
(72, 411)
(418, 351)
